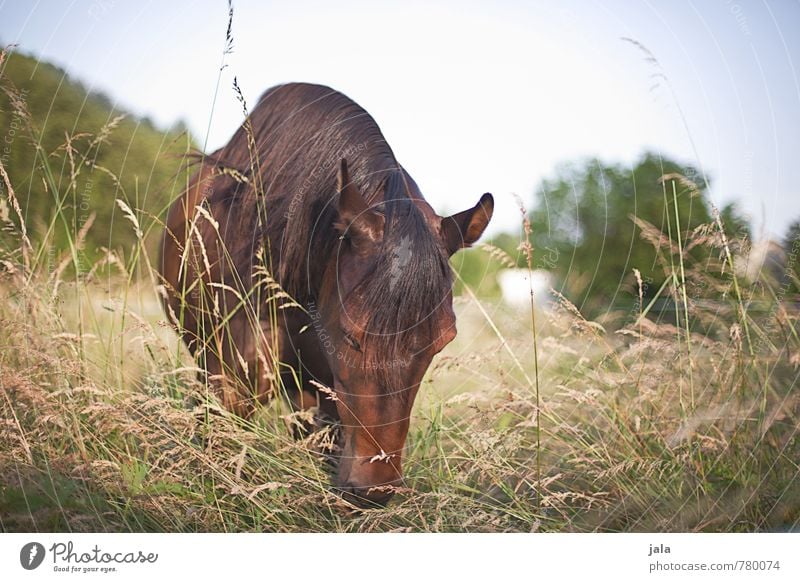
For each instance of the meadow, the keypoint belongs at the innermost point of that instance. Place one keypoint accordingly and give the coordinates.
(105, 426)
(682, 420)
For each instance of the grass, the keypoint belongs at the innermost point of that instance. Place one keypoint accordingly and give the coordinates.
(571, 425)
(104, 428)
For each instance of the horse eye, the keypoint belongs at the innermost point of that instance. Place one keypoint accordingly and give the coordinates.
(351, 341)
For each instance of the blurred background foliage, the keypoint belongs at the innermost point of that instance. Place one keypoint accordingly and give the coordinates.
(97, 153)
(594, 222)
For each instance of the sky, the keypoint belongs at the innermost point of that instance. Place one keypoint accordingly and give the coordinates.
(473, 97)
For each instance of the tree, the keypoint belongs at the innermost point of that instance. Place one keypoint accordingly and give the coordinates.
(41, 111)
(595, 222)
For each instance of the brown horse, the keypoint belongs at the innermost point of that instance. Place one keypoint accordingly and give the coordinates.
(307, 202)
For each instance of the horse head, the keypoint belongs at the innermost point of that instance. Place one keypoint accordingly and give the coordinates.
(386, 303)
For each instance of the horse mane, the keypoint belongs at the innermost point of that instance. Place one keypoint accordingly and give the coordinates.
(278, 181)
(408, 281)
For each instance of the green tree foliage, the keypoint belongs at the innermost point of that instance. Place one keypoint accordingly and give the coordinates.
(594, 222)
(600, 221)
(476, 269)
(70, 154)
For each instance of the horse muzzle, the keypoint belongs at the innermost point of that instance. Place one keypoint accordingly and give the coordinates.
(367, 497)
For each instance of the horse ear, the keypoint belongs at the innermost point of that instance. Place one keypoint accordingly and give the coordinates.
(462, 229)
(356, 222)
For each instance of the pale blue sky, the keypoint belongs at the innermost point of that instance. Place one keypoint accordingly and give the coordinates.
(473, 97)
